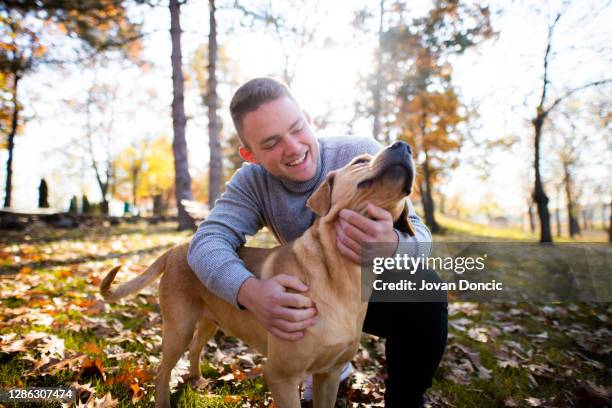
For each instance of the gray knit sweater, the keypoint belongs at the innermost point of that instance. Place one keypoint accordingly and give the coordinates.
(253, 199)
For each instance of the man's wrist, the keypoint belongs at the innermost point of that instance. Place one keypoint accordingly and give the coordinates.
(244, 292)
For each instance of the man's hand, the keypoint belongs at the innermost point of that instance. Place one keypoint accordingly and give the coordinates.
(353, 231)
(281, 313)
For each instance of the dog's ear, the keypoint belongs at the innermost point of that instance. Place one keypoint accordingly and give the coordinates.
(403, 222)
(320, 201)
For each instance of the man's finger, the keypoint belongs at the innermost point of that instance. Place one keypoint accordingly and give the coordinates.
(290, 281)
(379, 213)
(294, 314)
(358, 221)
(295, 300)
(286, 336)
(292, 327)
(350, 231)
(347, 240)
(349, 253)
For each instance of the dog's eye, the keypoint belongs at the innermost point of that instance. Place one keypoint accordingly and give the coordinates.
(361, 161)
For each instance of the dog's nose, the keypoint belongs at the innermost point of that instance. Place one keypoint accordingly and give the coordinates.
(399, 144)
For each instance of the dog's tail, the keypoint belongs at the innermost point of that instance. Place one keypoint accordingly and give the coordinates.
(153, 272)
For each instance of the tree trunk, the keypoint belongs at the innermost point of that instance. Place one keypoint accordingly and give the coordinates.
(532, 225)
(539, 196)
(182, 178)
(8, 189)
(135, 176)
(377, 89)
(610, 224)
(558, 221)
(428, 203)
(158, 205)
(574, 227)
(215, 172)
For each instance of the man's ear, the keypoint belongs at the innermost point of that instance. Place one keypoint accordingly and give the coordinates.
(320, 201)
(403, 223)
(247, 155)
(308, 118)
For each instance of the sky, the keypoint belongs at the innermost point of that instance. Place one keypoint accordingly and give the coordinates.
(499, 80)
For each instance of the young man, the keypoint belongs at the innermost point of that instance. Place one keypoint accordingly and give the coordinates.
(286, 163)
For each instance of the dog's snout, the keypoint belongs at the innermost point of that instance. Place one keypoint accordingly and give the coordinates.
(400, 145)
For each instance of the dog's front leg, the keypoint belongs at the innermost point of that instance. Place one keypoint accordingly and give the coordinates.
(325, 388)
(284, 388)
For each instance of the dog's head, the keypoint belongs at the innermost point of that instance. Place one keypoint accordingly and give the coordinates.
(384, 180)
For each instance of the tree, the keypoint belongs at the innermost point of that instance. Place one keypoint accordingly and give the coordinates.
(179, 144)
(20, 51)
(542, 111)
(43, 194)
(430, 109)
(215, 172)
(226, 73)
(99, 136)
(293, 23)
(101, 25)
(144, 170)
(429, 125)
(130, 166)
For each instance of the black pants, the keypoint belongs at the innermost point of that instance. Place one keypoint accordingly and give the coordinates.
(415, 334)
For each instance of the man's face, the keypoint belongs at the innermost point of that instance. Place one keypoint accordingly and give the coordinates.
(280, 139)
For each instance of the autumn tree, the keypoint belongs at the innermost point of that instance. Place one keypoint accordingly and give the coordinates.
(129, 165)
(20, 52)
(429, 107)
(145, 171)
(101, 25)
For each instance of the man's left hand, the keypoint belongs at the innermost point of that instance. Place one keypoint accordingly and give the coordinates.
(353, 231)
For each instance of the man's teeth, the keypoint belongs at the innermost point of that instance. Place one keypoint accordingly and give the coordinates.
(298, 161)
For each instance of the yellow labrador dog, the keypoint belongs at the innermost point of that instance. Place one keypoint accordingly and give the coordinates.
(191, 314)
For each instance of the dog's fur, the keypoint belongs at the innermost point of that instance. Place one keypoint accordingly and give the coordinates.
(191, 314)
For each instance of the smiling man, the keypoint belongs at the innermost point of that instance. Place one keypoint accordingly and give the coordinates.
(285, 165)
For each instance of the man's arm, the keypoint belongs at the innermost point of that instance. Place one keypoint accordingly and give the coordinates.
(212, 256)
(212, 251)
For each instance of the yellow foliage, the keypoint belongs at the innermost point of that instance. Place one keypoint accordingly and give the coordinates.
(149, 165)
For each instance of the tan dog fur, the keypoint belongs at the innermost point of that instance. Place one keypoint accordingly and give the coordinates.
(191, 313)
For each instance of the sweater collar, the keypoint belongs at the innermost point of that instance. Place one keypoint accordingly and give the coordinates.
(303, 187)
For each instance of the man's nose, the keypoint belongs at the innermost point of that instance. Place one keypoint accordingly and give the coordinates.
(292, 145)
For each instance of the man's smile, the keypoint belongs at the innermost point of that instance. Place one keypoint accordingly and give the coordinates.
(299, 160)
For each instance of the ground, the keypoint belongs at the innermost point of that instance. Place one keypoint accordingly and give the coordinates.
(55, 330)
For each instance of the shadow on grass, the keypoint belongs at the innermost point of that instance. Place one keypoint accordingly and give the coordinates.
(50, 234)
(14, 269)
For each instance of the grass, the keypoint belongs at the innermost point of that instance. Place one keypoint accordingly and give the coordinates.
(56, 294)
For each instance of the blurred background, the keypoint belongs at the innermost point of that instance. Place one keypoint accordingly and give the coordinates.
(120, 108)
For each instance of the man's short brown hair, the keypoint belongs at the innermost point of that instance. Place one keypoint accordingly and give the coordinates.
(251, 95)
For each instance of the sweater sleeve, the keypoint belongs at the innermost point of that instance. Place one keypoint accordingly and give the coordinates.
(212, 251)
(422, 240)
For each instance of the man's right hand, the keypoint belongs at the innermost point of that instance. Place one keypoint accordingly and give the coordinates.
(286, 315)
